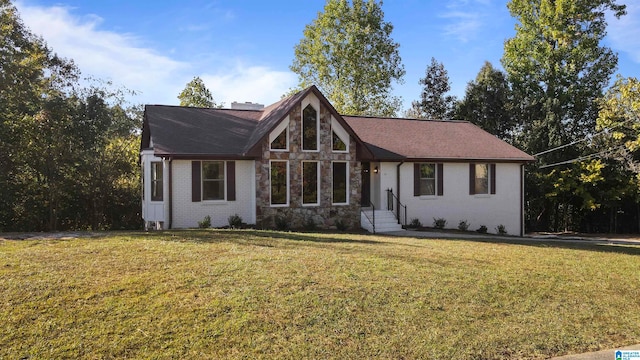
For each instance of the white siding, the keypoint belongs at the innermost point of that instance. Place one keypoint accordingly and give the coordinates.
(187, 214)
(502, 208)
(385, 179)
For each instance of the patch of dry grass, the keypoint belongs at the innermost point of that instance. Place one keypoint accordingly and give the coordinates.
(261, 294)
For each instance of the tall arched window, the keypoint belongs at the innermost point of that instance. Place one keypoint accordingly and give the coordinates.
(309, 128)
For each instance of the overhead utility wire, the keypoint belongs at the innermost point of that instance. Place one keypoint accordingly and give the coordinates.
(583, 158)
(587, 137)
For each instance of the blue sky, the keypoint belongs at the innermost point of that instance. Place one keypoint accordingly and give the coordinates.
(242, 49)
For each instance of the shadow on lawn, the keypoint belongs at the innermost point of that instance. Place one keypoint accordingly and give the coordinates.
(296, 236)
(618, 247)
(248, 237)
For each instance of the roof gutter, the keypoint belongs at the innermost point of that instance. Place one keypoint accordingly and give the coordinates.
(206, 156)
(468, 160)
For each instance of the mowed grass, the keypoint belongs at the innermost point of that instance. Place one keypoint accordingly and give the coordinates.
(258, 294)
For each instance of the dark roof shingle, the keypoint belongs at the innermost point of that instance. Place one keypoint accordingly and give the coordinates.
(393, 139)
(177, 130)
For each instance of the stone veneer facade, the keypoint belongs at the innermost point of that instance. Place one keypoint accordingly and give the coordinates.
(325, 214)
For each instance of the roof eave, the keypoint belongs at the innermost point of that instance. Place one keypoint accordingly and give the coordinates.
(470, 159)
(184, 156)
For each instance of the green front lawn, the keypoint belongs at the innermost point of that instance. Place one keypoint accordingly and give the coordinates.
(260, 294)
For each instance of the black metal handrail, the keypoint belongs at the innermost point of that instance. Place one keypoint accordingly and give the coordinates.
(399, 207)
(373, 214)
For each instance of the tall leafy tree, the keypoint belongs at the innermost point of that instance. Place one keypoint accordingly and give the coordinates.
(61, 146)
(32, 82)
(557, 69)
(19, 66)
(434, 102)
(196, 94)
(106, 174)
(348, 53)
(620, 117)
(486, 103)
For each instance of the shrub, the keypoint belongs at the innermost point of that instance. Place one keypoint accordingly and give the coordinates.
(439, 223)
(482, 229)
(501, 230)
(463, 225)
(205, 223)
(309, 224)
(415, 223)
(235, 221)
(282, 223)
(341, 225)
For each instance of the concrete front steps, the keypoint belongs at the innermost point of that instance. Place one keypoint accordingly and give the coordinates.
(385, 221)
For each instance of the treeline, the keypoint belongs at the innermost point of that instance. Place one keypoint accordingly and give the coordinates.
(68, 152)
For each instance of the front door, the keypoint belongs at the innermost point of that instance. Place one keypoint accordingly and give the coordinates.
(365, 199)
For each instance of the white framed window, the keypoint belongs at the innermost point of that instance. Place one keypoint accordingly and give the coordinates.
(310, 183)
(279, 182)
(427, 179)
(156, 181)
(481, 182)
(340, 183)
(279, 137)
(213, 184)
(339, 137)
(310, 131)
(280, 142)
(337, 144)
(482, 179)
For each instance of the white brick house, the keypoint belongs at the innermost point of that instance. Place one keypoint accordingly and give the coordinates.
(300, 160)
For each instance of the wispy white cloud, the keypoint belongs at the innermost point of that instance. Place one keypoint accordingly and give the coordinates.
(103, 54)
(159, 78)
(465, 18)
(624, 33)
(463, 25)
(249, 83)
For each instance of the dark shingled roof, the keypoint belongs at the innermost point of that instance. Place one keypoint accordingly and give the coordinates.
(205, 132)
(189, 132)
(395, 139)
(186, 131)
